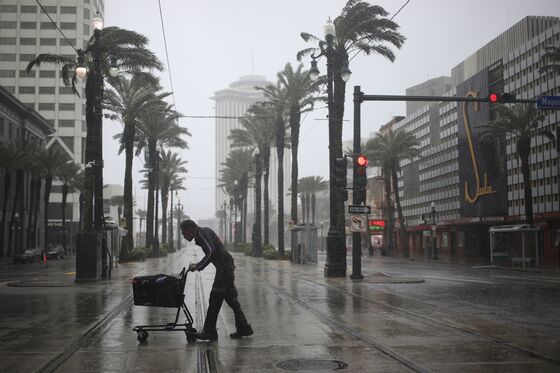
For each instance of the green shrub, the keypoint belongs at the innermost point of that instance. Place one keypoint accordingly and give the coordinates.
(248, 249)
(269, 252)
(163, 248)
(287, 255)
(137, 254)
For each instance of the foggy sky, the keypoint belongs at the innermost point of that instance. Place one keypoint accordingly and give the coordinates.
(212, 43)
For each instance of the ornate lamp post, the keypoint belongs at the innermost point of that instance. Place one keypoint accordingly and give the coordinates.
(155, 243)
(224, 225)
(235, 197)
(179, 213)
(335, 265)
(94, 140)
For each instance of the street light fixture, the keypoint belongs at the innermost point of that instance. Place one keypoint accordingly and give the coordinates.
(179, 210)
(335, 265)
(257, 239)
(235, 193)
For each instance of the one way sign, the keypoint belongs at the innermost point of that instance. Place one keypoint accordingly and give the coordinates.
(358, 209)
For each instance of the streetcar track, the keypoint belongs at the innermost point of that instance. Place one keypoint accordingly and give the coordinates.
(54, 363)
(384, 349)
(205, 357)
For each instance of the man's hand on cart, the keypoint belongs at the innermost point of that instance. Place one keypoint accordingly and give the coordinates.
(192, 267)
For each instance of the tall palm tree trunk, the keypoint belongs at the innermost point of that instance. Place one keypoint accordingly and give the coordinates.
(294, 137)
(280, 153)
(7, 183)
(63, 214)
(302, 200)
(266, 202)
(403, 235)
(171, 221)
(47, 195)
(89, 173)
(313, 208)
(151, 187)
(32, 187)
(388, 232)
(128, 135)
(15, 206)
(307, 207)
(36, 212)
(164, 196)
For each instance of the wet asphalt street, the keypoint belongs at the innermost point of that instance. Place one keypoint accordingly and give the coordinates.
(403, 316)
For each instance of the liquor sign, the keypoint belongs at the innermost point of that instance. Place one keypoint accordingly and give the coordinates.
(376, 225)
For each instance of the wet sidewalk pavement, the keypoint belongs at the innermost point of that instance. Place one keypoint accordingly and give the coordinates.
(403, 316)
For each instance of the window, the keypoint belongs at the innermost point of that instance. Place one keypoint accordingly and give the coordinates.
(46, 90)
(66, 107)
(27, 41)
(7, 74)
(26, 57)
(47, 73)
(65, 91)
(10, 89)
(47, 26)
(86, 13)
(66, 123)
(28, 9)
(28, 90)
(7, 57)
(86, 29)
(8, 8)
(47, 41)
(46, 106)
(69, 141)
(25, 74)
(28, 25)
(67, 26)
(7, 24)
(68, 10)
(8, 41)
(50, 9)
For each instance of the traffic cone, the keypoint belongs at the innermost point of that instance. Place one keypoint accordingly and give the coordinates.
(45, 259)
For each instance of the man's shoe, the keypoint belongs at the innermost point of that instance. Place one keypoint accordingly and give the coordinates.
(207, 336)
(242, 333)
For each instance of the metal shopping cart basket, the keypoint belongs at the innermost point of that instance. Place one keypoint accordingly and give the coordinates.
(163, 291)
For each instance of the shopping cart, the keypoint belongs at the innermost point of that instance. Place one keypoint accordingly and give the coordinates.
(163, 291)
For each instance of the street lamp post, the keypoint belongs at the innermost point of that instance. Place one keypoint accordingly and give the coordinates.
(434, 230)
(224, 222)
(15, 228)
(94, 141)
(170, 220)
(235, 194)
(335, 265)
(155, 243)
(179, 209)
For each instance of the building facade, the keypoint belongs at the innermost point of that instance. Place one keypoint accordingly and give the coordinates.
(21, 195)
(230, 105)
(27, 31)
(472, 183)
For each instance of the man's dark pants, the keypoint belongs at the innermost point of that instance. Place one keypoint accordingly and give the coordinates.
(224, 289)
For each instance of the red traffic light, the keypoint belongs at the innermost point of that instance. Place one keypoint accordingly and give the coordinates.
(362, 160)
(493, 97)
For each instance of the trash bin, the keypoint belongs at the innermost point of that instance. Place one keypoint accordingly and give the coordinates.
(88, 257)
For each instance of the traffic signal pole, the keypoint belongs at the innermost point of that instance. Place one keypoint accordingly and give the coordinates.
(360, 97)
(356, 236)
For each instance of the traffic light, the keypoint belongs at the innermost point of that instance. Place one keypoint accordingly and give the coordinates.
(360, 174)
(497, 98)
(340, 169)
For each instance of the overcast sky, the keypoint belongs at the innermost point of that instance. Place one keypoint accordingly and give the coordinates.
(212, 43)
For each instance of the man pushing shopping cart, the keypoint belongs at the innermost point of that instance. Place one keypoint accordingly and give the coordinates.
(223, 287)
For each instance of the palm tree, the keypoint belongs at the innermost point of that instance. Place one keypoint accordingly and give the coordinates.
(175, 185)
(158, 127)
(519, 123)
(258, 130)
(550, 60)
(235, 173)
(310, 186)
(50, 161)
(128, 50)
(301, 97)
(12, 157)
(170, 167)
(360, 28)
(127, 100)
(69, 175)
(388, 150)
(141, 215)
(276, 96)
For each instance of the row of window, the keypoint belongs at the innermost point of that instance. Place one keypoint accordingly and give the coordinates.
(15, 135)
(33, 41)
(536, 200)
(46, 90)
(34, 9)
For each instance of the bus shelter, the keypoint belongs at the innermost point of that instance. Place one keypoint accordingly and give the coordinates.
(509, 245)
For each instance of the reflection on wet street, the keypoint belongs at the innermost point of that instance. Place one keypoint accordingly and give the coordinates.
(403, 316)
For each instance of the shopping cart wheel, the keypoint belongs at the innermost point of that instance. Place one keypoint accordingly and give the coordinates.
(142, 336)
(191, 335)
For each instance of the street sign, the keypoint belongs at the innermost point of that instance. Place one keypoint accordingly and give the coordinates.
(548, 102)
(358, 223)
(376, 225)
(358, 209)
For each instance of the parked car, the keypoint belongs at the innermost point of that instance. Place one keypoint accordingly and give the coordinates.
(55, 252)
(28, 256)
